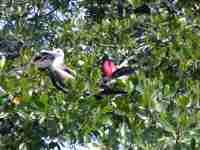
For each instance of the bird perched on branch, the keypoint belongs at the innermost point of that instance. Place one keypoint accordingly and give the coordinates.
(53, 62)
(111, 72)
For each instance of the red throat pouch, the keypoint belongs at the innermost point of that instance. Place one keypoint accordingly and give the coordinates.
(108, 67)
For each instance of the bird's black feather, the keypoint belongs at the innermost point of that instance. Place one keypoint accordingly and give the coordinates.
(123, 71)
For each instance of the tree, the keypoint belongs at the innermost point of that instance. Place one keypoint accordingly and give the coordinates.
(159, 38)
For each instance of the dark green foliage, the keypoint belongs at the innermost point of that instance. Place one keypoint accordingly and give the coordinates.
(160, 109)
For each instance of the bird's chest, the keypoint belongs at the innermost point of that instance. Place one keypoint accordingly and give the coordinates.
(108, 68)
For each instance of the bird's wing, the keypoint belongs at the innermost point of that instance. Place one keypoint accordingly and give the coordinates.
(57, 80)
(106, 91)
(71, 73)
(67, 69)
(123, 71)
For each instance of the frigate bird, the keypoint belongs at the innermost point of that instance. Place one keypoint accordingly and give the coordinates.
(112, 71)
(53, 62)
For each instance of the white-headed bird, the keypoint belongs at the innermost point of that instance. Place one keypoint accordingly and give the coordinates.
(53, 61)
